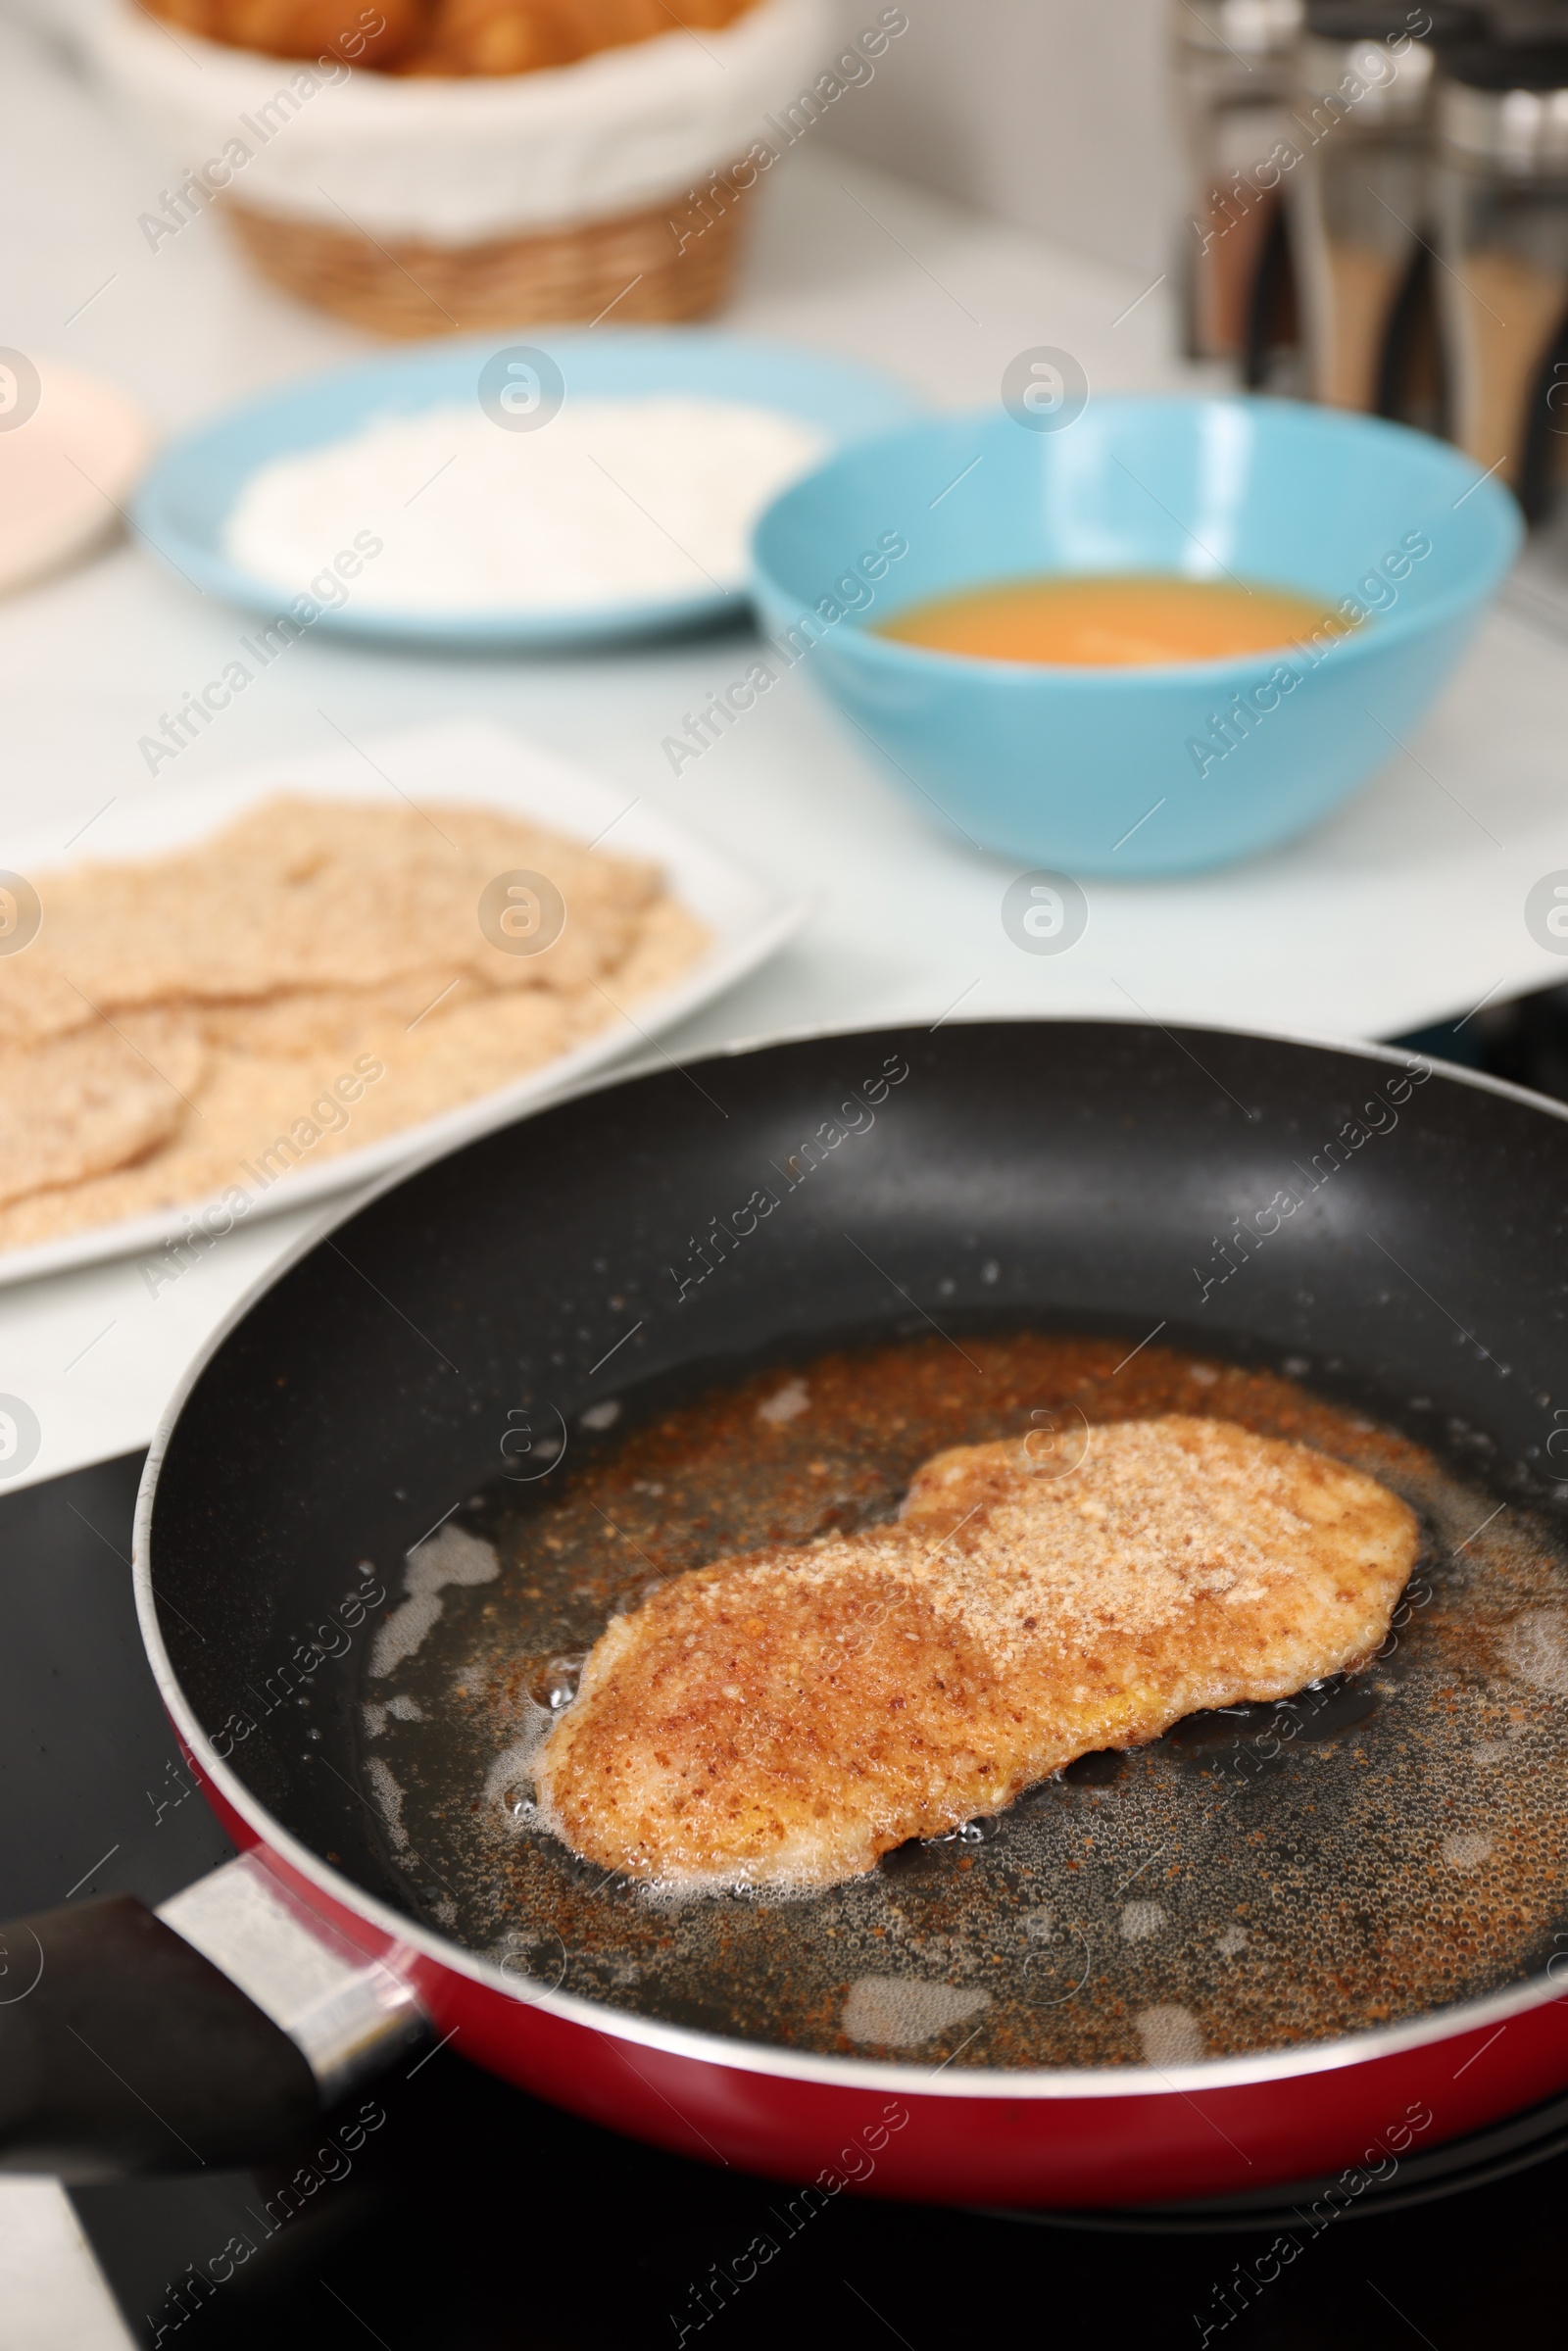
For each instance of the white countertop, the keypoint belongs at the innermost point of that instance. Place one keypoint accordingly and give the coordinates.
(1405, 907)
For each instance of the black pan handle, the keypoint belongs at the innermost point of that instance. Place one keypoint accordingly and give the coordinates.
(212, 2033)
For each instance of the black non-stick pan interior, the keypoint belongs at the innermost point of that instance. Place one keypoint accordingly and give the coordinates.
(959, 1196)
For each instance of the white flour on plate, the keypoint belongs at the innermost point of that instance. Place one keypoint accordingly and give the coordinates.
(612, 502)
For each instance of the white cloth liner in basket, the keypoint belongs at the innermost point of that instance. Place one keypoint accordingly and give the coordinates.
(457, 162)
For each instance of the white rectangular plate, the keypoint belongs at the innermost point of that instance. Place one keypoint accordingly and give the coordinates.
(476, 762)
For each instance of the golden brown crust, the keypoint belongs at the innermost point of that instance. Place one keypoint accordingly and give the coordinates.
(379, 36)
(786, 1718)
(455, 37)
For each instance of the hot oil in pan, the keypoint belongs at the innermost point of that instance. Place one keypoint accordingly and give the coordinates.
(1376, 1847)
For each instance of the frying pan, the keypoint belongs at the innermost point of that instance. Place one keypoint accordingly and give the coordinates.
(1070, 1176)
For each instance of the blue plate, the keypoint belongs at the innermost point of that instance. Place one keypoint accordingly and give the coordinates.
(1155, 771)
(184, 504)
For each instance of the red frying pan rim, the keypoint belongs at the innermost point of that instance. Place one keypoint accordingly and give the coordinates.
(711, 2048)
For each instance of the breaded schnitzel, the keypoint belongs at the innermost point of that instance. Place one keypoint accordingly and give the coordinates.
(786, 1717)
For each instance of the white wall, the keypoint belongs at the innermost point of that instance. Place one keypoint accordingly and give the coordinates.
(1056, 114)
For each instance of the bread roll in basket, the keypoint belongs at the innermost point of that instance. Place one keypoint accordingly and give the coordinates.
(423, 203)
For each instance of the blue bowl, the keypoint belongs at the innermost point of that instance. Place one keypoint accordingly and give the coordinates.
(1139, 770)
(182, 508)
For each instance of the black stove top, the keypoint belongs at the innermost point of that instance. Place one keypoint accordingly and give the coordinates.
(448, 2209)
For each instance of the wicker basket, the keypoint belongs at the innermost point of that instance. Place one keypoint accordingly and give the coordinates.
(655, 264)
(416, 205)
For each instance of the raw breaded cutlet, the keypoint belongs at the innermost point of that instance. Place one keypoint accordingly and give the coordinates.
(785, 1718)
(303, 982)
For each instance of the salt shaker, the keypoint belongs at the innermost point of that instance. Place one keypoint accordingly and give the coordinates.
(1233, 64)
(1502, 123)
(1362, 206)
